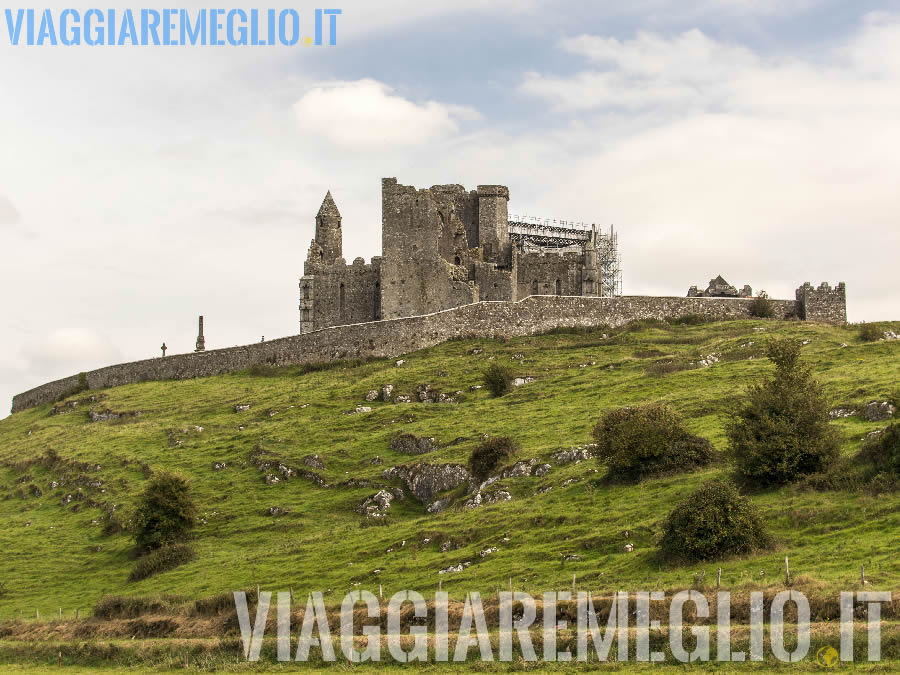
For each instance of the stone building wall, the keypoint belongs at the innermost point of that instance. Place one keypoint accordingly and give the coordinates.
(538, 273)
(390, 338)
(824, 303)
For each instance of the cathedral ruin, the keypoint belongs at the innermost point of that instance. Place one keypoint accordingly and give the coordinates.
(444, 247)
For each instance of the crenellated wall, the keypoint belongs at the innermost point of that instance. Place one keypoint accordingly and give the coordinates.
(390, 338)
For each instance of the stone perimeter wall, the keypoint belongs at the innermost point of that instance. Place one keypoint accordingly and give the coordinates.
(390, 338)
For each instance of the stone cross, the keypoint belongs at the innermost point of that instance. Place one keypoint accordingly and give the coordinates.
(201, 341)
(164, 348)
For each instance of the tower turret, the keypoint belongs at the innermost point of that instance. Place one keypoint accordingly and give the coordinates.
(328, 230)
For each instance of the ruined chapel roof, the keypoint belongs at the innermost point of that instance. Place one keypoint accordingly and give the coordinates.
(329, 208)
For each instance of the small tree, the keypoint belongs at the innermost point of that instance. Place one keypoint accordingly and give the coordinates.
(490, 454)
(498, 379)
(780, 430)
(166, 512)
(869, 332)
(713, 522)
(762, 307)
(649, 439)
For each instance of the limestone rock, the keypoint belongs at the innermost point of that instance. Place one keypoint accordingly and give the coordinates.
(372, 395)
(486, 498)
(486, 552)
(376, 505)
(411, 444)
(386, 392)
(426, 480)
(437, 506)
(314, 461)
(542, 470)
(578, 454)
(878, 411)
(242, 407)
(840, 413)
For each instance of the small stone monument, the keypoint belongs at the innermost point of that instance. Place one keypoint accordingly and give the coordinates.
(201, 342)
(164, 348)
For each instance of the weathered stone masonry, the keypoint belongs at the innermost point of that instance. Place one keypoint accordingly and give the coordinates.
(390, 338)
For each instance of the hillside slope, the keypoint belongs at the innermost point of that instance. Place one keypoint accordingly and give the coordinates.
(61, 548)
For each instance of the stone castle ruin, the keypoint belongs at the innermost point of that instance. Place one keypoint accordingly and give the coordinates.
(446, 247)
(453, 265)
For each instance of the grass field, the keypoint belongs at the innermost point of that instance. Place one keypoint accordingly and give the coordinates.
(62, 554)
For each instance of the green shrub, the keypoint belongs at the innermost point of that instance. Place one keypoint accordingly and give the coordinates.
(640, 441)
(131, 607)
(713, 522)
(161, 560)
(264, 370)
(498, 379)
(166, 512)
(762, 307)
(869, 332)
(490, 454)
(883, 451)
(780, 430)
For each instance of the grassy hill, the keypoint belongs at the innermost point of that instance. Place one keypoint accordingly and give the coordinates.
(65, 549)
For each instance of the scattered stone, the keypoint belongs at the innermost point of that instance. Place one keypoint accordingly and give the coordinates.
(578, 454)
(386, 392)
(437, 506)
(108, 415)
(629, 548)
(452, 568)
(569, 482)
(708, 360)
(376, 460)
(873, 434)
(198, 429)
(359, 410)
(476, 351)
(844, 345)
(277, 511)
(517, 357)
(372, 395)
(542, 470)
(314, 461)
(272, 413)
(891, 335)
(573, 558)
(272, 479)
(486, 552)
(475, 387)
(377, 505)
(376, 571)
(241, 427)
(242, 407)
(544, 490)
(402, 399)
(218, 466)
(486, 498)
(805, 342)
(521, 381)
(878, 411)
(54, 484)
(840, 413)
(444, 546)
(400, 362)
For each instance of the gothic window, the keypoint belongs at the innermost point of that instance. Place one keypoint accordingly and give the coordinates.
(305, 315)
(558, 287)
(343, 299)
(456, 260)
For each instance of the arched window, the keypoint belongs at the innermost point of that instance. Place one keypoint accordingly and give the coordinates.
(306, 291)
(343, 299)
(456, 260)
(305, 315)
(534, 287)
(558, 287)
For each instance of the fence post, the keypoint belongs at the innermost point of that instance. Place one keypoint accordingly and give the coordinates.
(719, 578)
(862, 575)
(787, 572)
(573, 585)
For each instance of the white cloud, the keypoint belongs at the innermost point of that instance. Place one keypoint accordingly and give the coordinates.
(9, 215)
(69, 349)
(366, 114)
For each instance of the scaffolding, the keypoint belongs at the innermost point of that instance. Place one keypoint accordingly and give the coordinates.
(548, 233)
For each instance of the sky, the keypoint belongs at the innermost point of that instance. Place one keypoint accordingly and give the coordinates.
(143, 186)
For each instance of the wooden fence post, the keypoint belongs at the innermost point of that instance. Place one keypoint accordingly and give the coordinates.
(787, 572)
(719, 578)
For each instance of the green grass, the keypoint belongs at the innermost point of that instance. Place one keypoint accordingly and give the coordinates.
(64, 560)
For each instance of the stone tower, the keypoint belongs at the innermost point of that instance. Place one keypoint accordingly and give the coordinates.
(328, 230)
(590, 273)
(493, 223)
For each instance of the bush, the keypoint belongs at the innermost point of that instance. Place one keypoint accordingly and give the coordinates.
(646, 440)
(869, 332)
(161, 560)
(780, 431)
(131, 607)
(883, 451)
(166, 512)
(490, 454)
(713, 522)
(264, 370)
(762, 307)
(498, 379)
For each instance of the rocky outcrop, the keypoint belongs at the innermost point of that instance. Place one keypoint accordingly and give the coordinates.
(314, 462)
(108, 415)
(878, 411)
(426, 480)
(410, 444)
(578, 454)
(378, 504)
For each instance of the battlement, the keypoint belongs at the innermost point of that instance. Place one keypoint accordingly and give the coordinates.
(824, 303)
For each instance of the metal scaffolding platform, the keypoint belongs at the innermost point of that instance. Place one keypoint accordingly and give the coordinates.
(558, 234)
